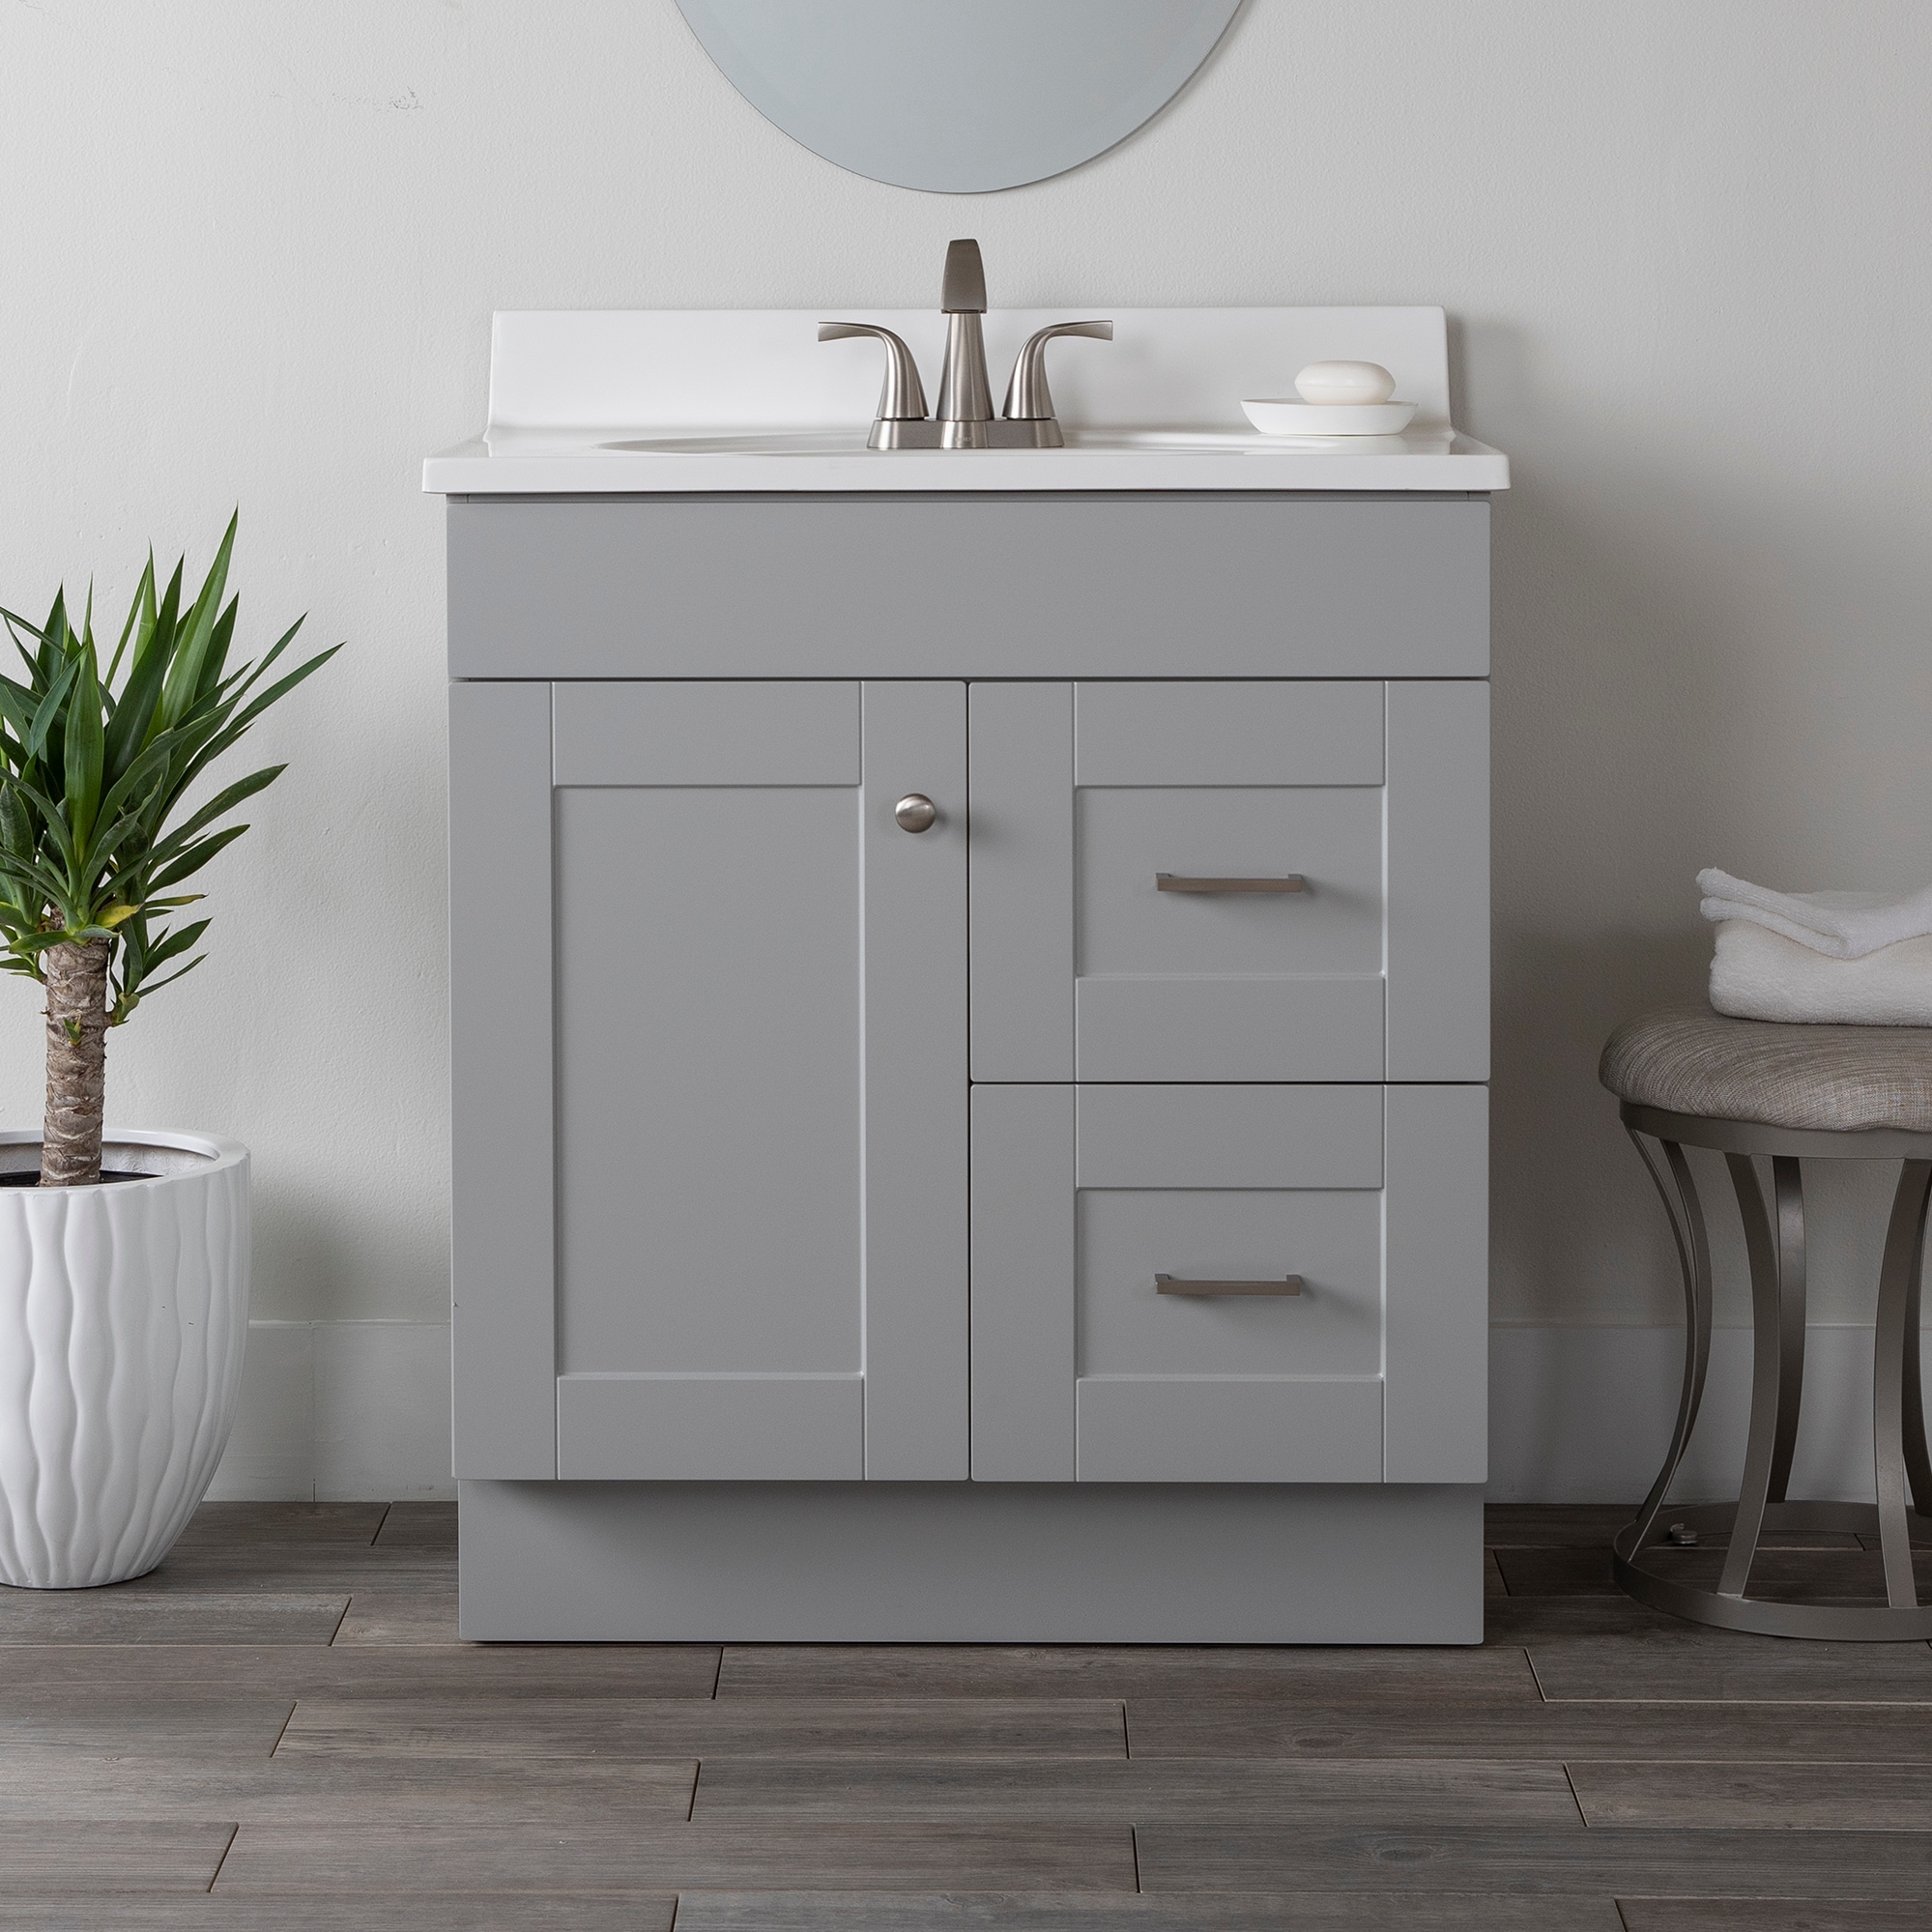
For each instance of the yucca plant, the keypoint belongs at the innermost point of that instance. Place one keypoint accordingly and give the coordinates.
(92, 782)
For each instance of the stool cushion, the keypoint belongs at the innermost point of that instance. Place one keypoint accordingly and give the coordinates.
(1830, 1079)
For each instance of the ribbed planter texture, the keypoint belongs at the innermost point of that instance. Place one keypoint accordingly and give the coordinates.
(124, 1311)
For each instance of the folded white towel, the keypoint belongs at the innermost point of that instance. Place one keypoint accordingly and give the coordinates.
(1841, 924)
(1758, 974)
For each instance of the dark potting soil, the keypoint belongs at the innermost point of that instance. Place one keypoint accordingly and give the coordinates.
(30, 1177)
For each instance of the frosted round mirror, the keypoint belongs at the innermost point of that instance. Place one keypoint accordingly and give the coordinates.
(958, 97)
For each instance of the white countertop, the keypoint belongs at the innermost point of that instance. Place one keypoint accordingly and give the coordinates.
(747, 400)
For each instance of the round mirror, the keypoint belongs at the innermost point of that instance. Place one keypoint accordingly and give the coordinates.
(958, 97)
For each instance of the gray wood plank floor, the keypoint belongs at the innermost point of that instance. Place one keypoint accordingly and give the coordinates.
(279, 1728)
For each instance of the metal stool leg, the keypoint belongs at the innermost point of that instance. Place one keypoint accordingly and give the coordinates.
(1894, 1345)
(1917, 1463)
(1686, 1216)
(1788, 1195)
(1777, 1354)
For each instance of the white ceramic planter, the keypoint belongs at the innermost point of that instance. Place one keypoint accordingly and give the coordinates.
(123, 1311)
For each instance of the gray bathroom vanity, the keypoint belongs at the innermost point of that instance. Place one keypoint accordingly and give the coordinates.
(970, 1007)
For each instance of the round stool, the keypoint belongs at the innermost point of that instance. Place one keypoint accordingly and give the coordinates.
(1693, 1078)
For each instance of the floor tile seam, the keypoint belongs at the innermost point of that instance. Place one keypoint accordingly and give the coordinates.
(1313, 1767)
(1740, 1703)
(1752, 1836)
(360, 1750)
(1583, 1763)
(234, 1832)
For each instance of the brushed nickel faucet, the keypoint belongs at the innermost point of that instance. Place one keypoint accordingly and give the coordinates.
(964, 419)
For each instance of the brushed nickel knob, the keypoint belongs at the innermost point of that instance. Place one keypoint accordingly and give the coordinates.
(916, 813)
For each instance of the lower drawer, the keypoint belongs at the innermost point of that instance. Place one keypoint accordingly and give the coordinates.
(1229, 1284)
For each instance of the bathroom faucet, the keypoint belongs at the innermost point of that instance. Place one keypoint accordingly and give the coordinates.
(965, 401)
(964, 419)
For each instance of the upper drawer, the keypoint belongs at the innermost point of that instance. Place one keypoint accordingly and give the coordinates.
(980, 585)
(1282, 881)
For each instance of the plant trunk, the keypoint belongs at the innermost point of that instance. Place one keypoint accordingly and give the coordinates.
(76, 1062)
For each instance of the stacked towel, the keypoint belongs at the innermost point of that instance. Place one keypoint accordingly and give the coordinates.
(1863, 958)
(1840, 925)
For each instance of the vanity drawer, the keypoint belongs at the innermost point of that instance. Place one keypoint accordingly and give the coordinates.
(1195, 1210)
(1134, 1248)
(1229, 880)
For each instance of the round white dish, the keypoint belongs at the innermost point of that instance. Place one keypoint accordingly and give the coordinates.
(1283, 415)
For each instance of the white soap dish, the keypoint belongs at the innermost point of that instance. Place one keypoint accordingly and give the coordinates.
(1287, 415)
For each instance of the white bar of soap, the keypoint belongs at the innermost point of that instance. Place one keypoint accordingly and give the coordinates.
(1345, 383)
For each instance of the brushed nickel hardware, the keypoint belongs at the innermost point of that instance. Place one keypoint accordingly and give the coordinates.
(964, 419)
(965, 398)
(902, 399)
(1284, 1285)
(916, 813)
(1028, 396)
(1175, 881)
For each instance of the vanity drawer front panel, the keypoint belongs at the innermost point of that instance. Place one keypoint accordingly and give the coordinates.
(1246, 585)
(1183, 794)
(1087, 1365)
(1228, 984)
(1184, 1379)
(1269, 880)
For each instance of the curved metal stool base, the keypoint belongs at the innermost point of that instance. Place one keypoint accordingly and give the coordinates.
(1901, 1457)
(1842, 1622)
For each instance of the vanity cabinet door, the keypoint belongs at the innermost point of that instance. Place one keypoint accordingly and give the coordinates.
(1182, 1283)
(731, 1190)
(1238, 881)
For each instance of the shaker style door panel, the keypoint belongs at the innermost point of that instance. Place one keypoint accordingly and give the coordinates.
(708, 1180)
(732, 1289)
(1190, 1283)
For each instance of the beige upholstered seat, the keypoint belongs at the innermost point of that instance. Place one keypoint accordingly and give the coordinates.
(1831, 1078)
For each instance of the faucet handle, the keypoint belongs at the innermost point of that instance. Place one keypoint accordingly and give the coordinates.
(1027, 397)
(903, 399)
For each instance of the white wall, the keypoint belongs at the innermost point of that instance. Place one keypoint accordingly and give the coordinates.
(249, 248)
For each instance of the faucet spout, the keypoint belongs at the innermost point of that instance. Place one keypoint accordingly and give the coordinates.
(965, 396)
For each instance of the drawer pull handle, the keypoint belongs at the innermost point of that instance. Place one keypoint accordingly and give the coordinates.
(1284, 1285)
(1175, 881)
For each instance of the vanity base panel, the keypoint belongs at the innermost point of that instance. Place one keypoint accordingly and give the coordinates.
(971, 1563)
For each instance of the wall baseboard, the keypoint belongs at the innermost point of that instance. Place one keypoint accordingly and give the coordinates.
(1584, 1415)
(341, 1411)
(359, 1410)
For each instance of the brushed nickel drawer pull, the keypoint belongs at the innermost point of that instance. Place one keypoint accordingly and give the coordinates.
(1175, 881)
(1283, 1284)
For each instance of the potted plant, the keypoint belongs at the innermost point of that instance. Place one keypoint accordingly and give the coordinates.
(124, 1288)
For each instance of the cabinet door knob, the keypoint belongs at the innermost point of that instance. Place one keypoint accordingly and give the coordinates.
(916, 813)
